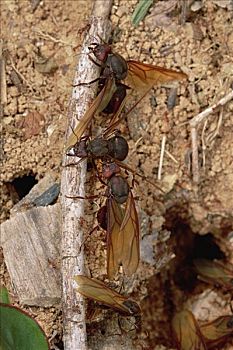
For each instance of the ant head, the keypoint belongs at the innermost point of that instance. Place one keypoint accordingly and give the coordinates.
(79, 149)
(100, 50)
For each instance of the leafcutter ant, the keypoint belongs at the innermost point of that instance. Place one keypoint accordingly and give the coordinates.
(100, 147)
(140, 77)
(190, 335)
(121, 223)
(217, 331)
(99, 292)
(139, 74)
(187, 332)
(122, 226)
(105, 148)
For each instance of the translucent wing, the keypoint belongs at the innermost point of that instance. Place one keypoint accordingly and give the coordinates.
(99, 103)
(214, 272)
(115, 117)
(117, 104)
(217, 331)
(187, 332)
(144, 76)
(128, 241)
(98, 291)
(114, 220)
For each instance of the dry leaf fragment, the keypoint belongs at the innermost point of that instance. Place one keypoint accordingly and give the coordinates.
(159, 16)
(45, 65)
(32, 124)
(228, 4)
(17, 81)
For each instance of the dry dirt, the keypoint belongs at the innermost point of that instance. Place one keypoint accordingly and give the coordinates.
(189, 220)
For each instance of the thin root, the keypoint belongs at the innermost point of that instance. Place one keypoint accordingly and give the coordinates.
(161, 157)
(194, 123)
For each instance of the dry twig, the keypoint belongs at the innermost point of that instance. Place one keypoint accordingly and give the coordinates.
(49, 37)
(3, 84)
(161, 157)
(73, 180)
(171, 156)
(195, 122)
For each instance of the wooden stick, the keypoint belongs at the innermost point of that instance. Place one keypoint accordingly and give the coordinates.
(72, 182)
(194, 122)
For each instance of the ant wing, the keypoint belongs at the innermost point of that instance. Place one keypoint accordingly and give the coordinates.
(142, 76)
(114, 220)
(98, 291)
(214, 272)
(187, 332)
(115, 107)
(127, 168)
(217, 331)
(99, 103)
(129, 238)
(115, 118)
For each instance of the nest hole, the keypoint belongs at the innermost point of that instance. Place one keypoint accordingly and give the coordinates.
(178, 280)
(187, 247)
(21, 186)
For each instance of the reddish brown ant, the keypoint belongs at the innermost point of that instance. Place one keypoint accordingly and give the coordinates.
(121, 224)
(115, 147)
(99, 292)
(140, 76)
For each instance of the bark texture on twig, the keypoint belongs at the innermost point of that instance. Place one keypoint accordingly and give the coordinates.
(31, 242)
(73, 181)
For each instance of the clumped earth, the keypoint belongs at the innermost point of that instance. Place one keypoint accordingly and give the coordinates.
(189, 220)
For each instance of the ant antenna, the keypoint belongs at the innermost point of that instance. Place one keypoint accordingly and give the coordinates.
(101, 39)
(73, 131)
(95, 40)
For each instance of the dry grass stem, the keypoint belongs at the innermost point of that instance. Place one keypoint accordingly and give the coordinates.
(73, 182)
(49, 37)
(3, 84)
(194, 123)
(171, 156)
(161, 157)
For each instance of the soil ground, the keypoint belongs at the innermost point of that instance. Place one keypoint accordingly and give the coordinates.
(189, 220)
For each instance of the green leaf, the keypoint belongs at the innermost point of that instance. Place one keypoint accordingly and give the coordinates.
(4, 297)
(19, 331)
(141, 11)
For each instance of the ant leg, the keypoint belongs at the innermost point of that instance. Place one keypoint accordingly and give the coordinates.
(98, 174)
(121, 286)
(93, 61)
(80, 197)
(127, 168)
(85, 239)
(89, 83)
(74, 164)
